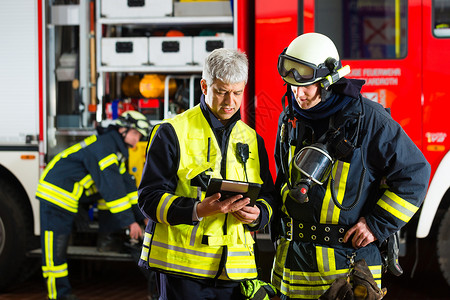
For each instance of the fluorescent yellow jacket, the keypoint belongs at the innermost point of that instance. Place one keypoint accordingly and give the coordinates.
(197, 250)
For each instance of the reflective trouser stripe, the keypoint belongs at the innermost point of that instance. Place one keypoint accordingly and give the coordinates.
(310, 285)
(50, 271)
(326, 261)
(376, 273)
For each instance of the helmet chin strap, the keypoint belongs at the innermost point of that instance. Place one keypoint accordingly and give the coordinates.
(324, 93)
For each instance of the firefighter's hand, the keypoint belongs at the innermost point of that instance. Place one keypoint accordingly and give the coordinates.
(212, 206)
(247, 214)
(362, 235)
(135, 231)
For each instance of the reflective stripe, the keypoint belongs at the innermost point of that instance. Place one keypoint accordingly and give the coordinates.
(284, 194)
(280, 257)
(376, 273)
(60, 197)
(326, 261)
(87, 141)
(55, 271)
(147, 239)
(91, 191)
(237, 267)
(122, 168)
(181, 268)
(50, 271)
(397, 206)
(48, 244)
(303, 292)
(175, 261)
(310, 285)
(330, 212)
(242, 272)
(87, 181)
(144, 253)
(108, 161)
(193, 234)
(101, 204)
(163, 207)
(133, 197)
(152, 135)
(145, 246)
(285, 189)
(188, 251)
(118, 205)
(269, 208)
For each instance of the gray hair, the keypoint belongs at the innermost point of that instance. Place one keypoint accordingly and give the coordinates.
(228, 65)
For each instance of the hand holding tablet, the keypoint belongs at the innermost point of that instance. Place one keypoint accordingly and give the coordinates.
(229, 188)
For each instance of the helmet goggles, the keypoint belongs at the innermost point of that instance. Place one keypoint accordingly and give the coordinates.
(302, 72)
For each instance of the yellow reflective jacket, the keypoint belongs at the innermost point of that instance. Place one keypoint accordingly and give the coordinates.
(197, 250)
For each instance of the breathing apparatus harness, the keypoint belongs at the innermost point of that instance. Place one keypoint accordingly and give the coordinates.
(313, 164)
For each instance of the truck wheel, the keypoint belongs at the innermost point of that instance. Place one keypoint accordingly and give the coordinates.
(13, 236)
(443, 246)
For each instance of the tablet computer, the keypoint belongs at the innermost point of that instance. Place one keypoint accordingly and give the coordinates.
(228, 188)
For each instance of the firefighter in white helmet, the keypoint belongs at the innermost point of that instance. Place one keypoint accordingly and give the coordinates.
(334, 150)
(92, 170)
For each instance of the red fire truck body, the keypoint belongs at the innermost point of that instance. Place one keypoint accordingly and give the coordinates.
(409, 80)
(399, 47)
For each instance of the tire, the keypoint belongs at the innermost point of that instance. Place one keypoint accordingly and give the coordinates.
(443, 246)
(13, 236)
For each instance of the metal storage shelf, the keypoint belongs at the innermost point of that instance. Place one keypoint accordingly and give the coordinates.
(169, 21)
(190, 72)
(152, 69)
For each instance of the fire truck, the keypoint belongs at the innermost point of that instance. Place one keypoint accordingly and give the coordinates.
(60, 77)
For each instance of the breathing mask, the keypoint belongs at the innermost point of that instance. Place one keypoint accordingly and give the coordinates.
(311, 165)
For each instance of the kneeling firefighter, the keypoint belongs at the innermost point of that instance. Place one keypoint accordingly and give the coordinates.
(348, 175)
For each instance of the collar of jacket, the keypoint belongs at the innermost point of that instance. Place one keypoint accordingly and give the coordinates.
(348, 87)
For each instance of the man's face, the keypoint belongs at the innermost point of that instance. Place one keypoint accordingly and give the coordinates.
(307, 96)
(223, 99)
(132, 137)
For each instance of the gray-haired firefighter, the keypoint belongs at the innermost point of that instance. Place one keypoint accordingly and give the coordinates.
(348, 175)
(94, 166)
